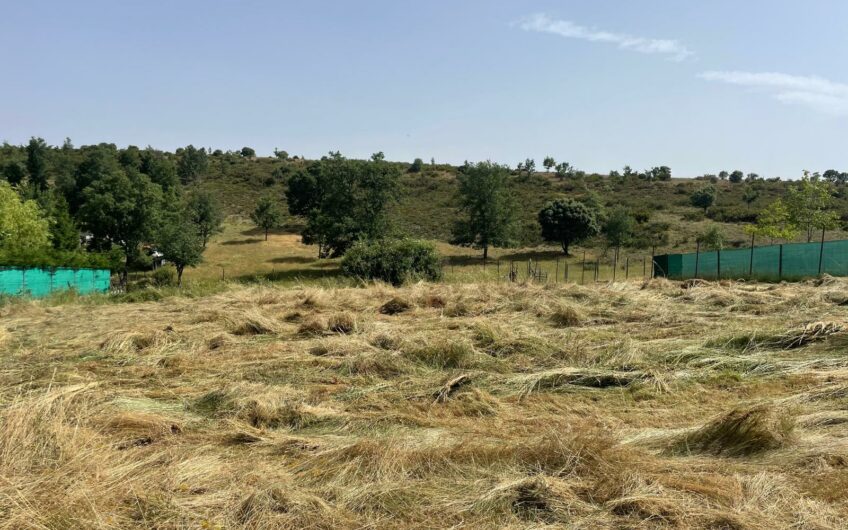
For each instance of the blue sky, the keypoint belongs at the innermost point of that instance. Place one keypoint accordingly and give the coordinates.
(759, 85)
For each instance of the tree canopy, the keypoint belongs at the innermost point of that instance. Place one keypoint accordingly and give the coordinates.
(22, 224)
(343, 201)
(566, 221)
(486, 207)
(267, 215)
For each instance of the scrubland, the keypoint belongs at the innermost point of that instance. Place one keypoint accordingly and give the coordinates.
(626, 405)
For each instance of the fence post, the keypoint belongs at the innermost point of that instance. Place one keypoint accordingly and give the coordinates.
(566, 272)
(499, 269)
(653, 256)
(614, 263)
(718, 264)
(751, 265)
(583, 270)
(222, 273)
(780, 264)
(556, 274)
(597, 269)
(644, 267)
(821, 253)
(627, 268)
(697, 257)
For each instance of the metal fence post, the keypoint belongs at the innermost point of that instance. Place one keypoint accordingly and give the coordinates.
(780, 263)
(697, 257)
(751, 265)
(821, 253)
(718, 264)
(627, 268)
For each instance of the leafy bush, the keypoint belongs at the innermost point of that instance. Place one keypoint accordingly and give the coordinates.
(393, 260)
(732, 214)
(164, 277)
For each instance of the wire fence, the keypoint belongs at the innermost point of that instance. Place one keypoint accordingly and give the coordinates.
(581, 270)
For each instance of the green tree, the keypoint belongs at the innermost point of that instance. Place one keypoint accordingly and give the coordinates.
(723, 175)
(660, 173)
(23, 227)
(566, 221)
(14, 172)
(267, 215)
(247, 152)
(121, 208)
(810, 205)
(549, 162)
(282, 155)
(751, 194)
(529, 167)
(736, 177)
(343, 201)
(416, 166)
(205, 214)
(774, 222)
(192, 163)
(179, 242)
(486, 205)
(564, 170)
(703, 197)
(130, 157)
(64, 232)
(160, 169)
(618, 228)
(36, 163)
(712, 238)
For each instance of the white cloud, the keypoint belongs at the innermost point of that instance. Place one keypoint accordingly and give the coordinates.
(814, 92)
(565, 28)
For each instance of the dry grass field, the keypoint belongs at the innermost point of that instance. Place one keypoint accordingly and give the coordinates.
(623, 405)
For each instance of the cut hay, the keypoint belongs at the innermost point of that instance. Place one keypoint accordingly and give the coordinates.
(251, 322)
(343, 323)
(451, 387)
(395, 306)
(740, 432)
(577, 377)
(815, 332)
(566, 316)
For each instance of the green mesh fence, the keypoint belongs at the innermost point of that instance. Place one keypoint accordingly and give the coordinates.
(41, 282)
(773, 262)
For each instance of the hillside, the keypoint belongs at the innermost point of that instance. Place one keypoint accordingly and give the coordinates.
(427, 206)
(475, 406)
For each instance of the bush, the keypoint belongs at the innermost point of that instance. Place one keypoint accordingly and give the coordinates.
(393, 261)
(164, 277)
(733, 214)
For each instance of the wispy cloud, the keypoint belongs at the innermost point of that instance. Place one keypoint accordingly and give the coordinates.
(814, 92)
(565, 28)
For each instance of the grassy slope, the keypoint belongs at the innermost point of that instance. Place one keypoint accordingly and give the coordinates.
(427, 206)
(601, 407)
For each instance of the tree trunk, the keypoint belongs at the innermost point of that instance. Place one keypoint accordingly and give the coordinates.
(564, 245)
(485, 252)
(180, 269)
(266, 234)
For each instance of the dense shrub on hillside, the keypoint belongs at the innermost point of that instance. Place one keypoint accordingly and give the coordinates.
(732, 214)
(393, 260)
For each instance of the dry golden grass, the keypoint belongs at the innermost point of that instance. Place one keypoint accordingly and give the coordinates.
(630, 405)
